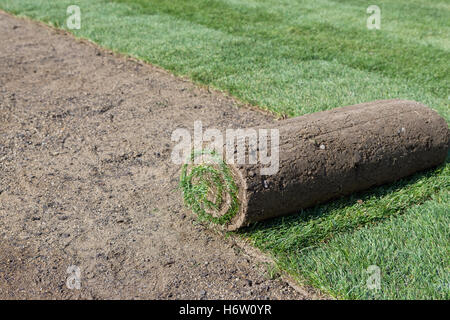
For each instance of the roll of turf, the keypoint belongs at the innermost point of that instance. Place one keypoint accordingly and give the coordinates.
(322, 156)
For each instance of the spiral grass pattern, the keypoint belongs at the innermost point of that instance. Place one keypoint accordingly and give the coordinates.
(209, 188)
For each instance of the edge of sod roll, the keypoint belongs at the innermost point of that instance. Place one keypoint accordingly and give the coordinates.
(209, 189)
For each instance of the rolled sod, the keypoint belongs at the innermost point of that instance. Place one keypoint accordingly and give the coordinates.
(322, 156)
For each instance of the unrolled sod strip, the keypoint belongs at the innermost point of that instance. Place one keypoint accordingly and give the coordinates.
(322, 156)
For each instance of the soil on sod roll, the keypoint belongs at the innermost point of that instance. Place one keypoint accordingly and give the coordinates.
(322, 156)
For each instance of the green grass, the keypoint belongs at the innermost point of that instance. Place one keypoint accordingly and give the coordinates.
(296, 57)
(208, 188)
(292, 57)
(411, 251)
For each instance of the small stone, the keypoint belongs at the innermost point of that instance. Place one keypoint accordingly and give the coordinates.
(322, 147)
(169, 263)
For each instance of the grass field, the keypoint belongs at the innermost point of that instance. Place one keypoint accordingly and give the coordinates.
(297, 57)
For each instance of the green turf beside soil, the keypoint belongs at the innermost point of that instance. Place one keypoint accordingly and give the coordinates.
(411, 250)
(330, 246)
(199, 181)
(297, 57)
(292, 57)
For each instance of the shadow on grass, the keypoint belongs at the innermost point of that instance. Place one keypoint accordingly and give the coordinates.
(319, 223)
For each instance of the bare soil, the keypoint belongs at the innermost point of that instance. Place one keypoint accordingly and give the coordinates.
(86, 178)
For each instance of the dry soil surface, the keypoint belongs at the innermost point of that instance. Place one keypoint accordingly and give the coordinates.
(86, 177)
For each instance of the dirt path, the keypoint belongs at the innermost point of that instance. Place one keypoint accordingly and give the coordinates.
(86, 177)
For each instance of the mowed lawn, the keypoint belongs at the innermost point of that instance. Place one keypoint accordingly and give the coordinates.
(295, 57)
